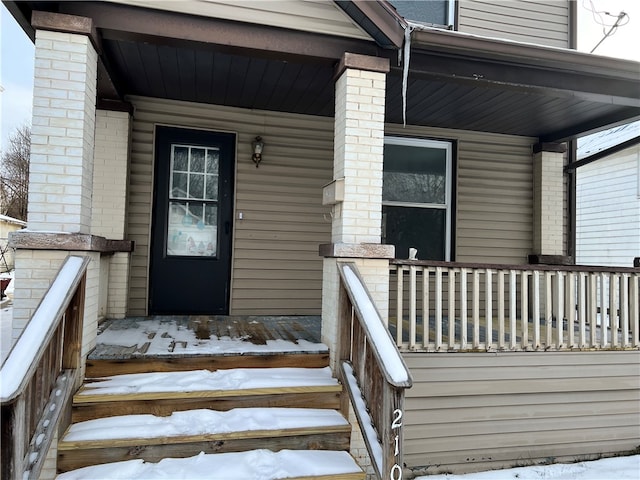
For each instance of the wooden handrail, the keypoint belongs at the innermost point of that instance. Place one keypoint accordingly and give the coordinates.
(373, 373)
(41, 372)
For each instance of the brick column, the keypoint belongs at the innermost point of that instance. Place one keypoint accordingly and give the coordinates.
(61, 166)
(549, 196)
(109, 206)
(356, 191)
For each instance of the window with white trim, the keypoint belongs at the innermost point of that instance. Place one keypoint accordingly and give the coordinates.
(416, 197)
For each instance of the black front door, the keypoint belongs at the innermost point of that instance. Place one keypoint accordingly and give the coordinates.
(191, 224)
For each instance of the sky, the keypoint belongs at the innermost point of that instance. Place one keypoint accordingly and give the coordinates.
(16, 53)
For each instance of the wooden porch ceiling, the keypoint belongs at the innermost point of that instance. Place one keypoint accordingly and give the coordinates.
(455, 81)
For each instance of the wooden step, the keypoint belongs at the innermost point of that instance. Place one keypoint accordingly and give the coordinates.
(264, 464)
(163, 393)
(187, 433)
(109, 367)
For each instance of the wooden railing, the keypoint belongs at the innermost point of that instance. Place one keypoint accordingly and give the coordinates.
(439, 306)
(373, 372)
(41, 373)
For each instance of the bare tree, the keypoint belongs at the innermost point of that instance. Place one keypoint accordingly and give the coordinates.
(14, 174)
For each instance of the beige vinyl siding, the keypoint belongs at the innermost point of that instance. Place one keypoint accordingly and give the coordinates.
(317, 16)
(276, 268)
(544, 22)
(470, 412)
(493, 220)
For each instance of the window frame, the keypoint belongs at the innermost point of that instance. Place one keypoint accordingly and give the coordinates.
(448, 147)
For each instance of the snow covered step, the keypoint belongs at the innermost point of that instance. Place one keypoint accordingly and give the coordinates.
(174, 363)
(187, 433)
(255, 464)
(162, 393)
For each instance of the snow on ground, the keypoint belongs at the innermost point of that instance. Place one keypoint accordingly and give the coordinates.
(149, 331)
(200, 380)
(619, 468)
(202, 422)
(6, 318)
(253, 465)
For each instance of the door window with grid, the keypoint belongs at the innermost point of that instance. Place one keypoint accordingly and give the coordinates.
(192, 227)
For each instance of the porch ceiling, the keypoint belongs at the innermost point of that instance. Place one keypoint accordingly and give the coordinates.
(456, 81)
(433, 98)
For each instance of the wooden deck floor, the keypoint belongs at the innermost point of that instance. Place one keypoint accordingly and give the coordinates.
(136, 337)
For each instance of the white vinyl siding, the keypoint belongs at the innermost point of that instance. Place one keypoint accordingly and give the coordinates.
(543, 22)
(608, 210)
(474, 411)
(317, 16)
(276, 268)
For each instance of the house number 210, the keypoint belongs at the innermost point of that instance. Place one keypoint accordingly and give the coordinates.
(396, 470)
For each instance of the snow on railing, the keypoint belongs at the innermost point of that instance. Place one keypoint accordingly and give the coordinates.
(471, 307)
(38, 377)
(373, 372)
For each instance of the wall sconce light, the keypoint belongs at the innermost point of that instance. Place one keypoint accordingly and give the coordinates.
(258, 145)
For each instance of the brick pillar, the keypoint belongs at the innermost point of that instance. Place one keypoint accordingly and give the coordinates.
(109, 206)
(549, 196)
(356, 191)
(61, 166)
(358, 148)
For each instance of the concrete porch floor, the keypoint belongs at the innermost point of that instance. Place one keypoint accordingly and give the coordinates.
(176, 335)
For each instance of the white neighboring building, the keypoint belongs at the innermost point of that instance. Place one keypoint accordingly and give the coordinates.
(608, 197)
(8, 224)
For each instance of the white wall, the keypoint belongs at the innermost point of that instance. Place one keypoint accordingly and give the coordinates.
(608, 210)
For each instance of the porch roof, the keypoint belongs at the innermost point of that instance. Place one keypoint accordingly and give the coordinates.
(455, 81)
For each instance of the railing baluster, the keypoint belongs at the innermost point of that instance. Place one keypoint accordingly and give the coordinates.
(614, 320)
(548, 309)
(425, 307)
(412, 307)
(488, 294)
(463, 308)
(571, 308)
(475, 314)
(451, 309)
(560, 308)
(593, 310)
(513, 303)
(583, 309)
(604, 318)
(400, 306)
(624, 309)
(500, 293)
(524, 300)
(438, 294)
(635, 310)
(536, 309)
